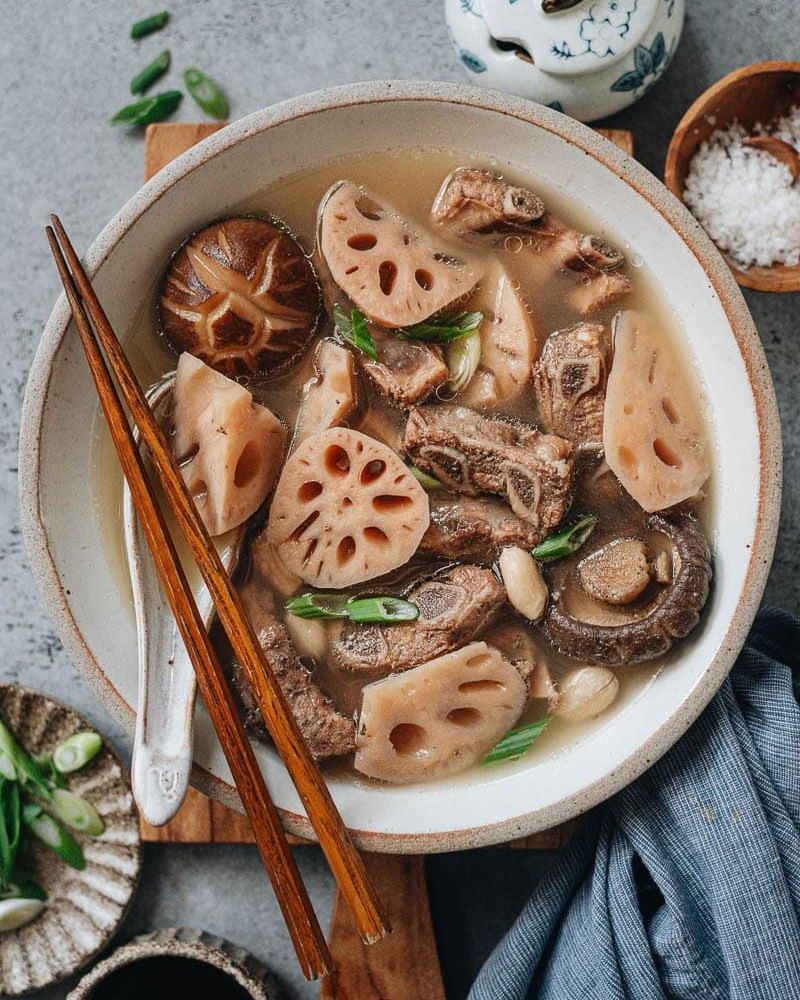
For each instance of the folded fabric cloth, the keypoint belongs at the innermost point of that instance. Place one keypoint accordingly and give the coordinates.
(687, 883)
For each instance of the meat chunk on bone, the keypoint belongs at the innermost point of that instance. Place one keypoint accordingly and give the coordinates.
(569, 382)
(453, 608)
(473, 528)
(477, 203)
(471, 454)
(405, 372)
(327, 732)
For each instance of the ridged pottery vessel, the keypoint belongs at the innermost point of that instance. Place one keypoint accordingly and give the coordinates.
(84, 908)
(85, 585)
(247, 976)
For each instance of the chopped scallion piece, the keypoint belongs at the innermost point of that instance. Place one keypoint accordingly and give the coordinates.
(444, 328)
(76, 751)
(355, 330)
(7, 769)
(148, 110)
(153, 71)
(566, 541)
(17, 912)
(365, 610)
(78, 813)
(516, 742)
(53, 835)
(27, 771)
(206, 93)
(379, 610)
(426, 481)
(149, 24)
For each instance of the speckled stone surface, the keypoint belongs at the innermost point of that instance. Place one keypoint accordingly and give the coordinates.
(63, 69)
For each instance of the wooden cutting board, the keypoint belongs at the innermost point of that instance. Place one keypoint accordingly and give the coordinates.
(405, 964)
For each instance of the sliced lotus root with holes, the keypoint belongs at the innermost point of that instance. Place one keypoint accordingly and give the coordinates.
(242, 295)
(392, 275)
(438, 718)
(654, 433)
(346, 509)
(332, 397)
(229, 447)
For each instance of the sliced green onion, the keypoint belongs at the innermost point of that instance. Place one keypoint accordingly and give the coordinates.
(23, 888)
(78, 813)
(319, 605)
(516, 742)
(9, 828)
(153, 71)
(206, 93)
(364, 610)
(149, 24)
(378, 610)
(442, 329)
(463, 357)
(7, 769)
(16, 913)
(27, 772)
(355, 330)
(53, 835)
(150, 109)
(426, 481)
(566, 541)
(76, 751)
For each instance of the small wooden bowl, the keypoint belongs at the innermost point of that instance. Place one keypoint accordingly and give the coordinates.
(757, 93)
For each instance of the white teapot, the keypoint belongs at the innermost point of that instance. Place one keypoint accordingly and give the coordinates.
(588, 58)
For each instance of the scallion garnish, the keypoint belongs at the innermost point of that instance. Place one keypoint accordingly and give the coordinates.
(153, 71)
(206, 93)
(426, 481)
(444, 328)
(516, 742)
(151, 109)
(566, 541)
(76, 751)
(149, 24)
(364, 610)
(354, 329)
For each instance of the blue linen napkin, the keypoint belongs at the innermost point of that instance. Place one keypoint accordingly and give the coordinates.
(687, 883)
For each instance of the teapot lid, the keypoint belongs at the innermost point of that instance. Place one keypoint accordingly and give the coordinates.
(571, 37)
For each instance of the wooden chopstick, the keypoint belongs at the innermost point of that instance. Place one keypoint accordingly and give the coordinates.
(346, 864)
(301, 921)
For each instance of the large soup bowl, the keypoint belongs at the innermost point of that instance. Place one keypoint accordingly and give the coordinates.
(86, 594)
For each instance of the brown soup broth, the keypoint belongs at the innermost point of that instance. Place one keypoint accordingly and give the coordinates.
(408, 180)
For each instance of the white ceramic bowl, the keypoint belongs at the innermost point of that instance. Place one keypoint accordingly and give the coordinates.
(84, 593)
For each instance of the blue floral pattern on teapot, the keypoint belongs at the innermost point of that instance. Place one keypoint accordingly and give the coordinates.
(590, 60)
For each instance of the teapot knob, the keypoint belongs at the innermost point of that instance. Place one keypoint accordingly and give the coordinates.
(557, 6)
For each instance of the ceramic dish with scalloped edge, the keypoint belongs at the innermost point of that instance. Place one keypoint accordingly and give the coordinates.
(90, 604)
(84, 909)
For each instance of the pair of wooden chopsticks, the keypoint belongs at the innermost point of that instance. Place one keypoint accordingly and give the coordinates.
(98, 338)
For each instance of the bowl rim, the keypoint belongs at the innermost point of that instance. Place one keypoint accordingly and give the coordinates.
(778, 277)
(722, 283)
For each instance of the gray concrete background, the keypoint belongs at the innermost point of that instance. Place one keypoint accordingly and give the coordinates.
(63, 69)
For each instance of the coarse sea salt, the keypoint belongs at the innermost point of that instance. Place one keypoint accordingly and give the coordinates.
(745, 198)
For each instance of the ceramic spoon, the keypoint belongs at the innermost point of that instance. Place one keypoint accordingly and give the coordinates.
(163, 739)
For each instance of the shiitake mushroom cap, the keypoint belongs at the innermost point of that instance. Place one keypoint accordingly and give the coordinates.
(242, 295)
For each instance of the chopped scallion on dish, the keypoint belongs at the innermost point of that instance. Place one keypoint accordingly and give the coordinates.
(566, 541)
(355, 330)
(517, 742)
(444, 328)
(365, 610)
(148, 110)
